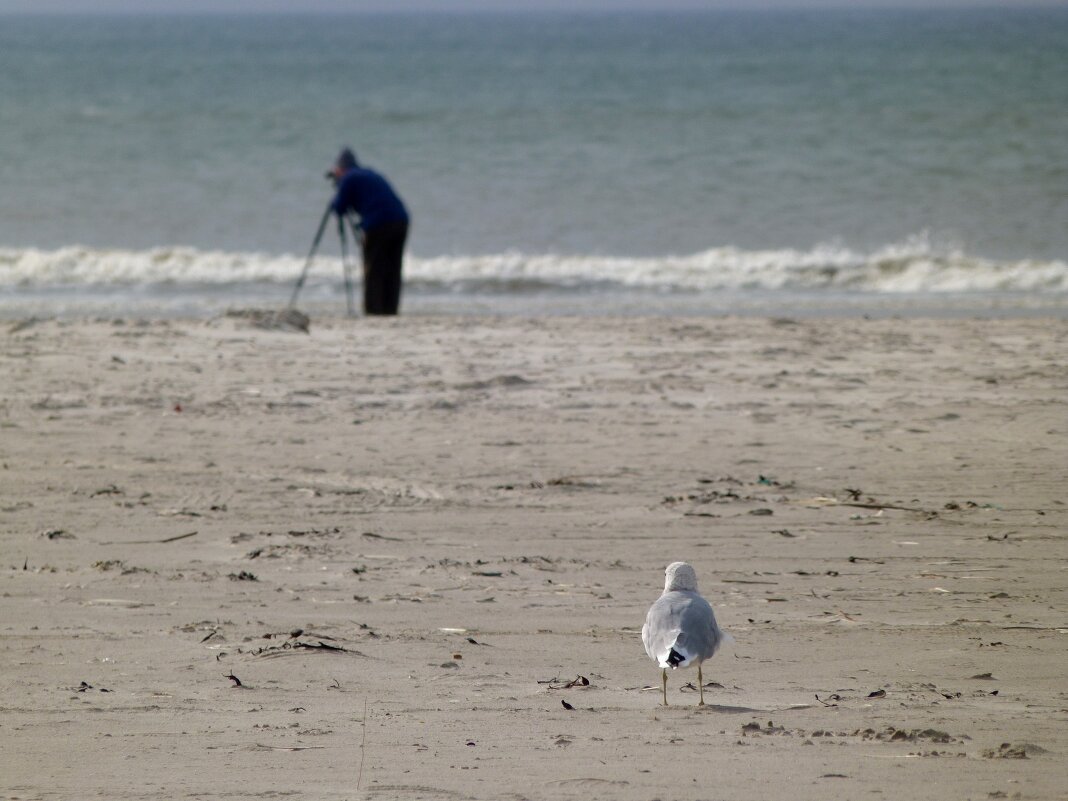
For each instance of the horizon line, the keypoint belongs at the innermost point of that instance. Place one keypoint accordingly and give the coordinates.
(840, 6)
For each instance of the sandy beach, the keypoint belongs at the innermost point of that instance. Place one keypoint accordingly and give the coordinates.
(383, 559)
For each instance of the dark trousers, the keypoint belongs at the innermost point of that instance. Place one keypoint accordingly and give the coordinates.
(383, 251)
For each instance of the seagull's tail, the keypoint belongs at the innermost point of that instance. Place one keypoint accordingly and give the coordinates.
(677, 656)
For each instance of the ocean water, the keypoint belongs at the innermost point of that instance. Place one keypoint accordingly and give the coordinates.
(704, 163)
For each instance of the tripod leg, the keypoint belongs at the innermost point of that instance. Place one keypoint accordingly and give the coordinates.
(358, 240)
(311, 255)
(345, 265)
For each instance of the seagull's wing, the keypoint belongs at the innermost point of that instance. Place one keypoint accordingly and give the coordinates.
(701, 636)
(658, 633)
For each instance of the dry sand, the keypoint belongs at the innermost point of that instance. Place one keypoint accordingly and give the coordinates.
(405, 537)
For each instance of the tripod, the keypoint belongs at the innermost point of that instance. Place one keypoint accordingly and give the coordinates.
(357, 235)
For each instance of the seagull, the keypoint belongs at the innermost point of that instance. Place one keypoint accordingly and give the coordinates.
(680, 629)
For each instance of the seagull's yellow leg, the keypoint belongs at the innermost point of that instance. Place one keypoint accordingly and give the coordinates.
(663, 675)
(700, 685)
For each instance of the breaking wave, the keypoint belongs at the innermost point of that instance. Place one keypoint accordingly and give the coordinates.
(914, 266)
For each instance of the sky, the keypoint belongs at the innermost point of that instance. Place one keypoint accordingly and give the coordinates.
(245, 6)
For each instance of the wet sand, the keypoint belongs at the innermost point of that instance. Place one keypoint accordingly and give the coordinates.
(368, 561)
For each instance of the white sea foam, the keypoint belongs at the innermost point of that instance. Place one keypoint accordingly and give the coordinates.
(914, 266)
(74, 266)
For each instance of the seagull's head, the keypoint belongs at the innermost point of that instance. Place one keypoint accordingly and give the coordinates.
(680, 576)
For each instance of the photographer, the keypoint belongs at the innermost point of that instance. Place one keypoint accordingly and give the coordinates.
(384, 221)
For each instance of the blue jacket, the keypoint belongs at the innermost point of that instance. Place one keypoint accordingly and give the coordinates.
(368, 194)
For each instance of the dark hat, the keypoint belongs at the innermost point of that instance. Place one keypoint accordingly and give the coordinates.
(346, 159)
